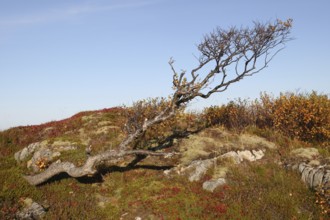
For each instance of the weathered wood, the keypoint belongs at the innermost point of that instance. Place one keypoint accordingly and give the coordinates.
(90, 166)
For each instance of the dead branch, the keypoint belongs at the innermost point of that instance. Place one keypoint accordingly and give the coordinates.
(90, 166)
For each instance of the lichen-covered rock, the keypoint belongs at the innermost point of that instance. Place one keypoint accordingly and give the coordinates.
(41, 154)
(258, 154)
(314, 163)
(31, 210)
(239, 156)
(199, 169)
(301, 167)
(27, 151)
(306, 153)
(318, 177)
(313, 176)
(233, 156)
(246, 155)
(326, 177)
(310, 178)
(305, 174)
(211, 185)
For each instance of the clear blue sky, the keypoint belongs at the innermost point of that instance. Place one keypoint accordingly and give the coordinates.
(61, 57)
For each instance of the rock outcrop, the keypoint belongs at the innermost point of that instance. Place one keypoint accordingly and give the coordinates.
(306, 153)
(197, 169)
(41, 153)
(312, 176)
(211, 185)
(31, 210)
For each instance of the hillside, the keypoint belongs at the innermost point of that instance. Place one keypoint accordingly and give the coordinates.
(215, 173)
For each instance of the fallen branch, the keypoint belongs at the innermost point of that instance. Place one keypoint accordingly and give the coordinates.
(90, 166)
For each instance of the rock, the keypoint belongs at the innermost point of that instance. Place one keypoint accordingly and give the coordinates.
(318, 177)
(314, 163)
(22, 154)
(307, 153)
(314, 177)
(199, 169)
(167, 172)
(45, 155)
(239, 156)
(326, 178)
(211, 185)
(31, 210)
(232, 155)
(258, 154)
(42, 153)
(295, 167)
(301, 167)
(310, 177)
(26, 152)
(246, 155)
(64, 148)
(305, 174)
(27, 202)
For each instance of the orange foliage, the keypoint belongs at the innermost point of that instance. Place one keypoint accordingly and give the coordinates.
(302, 116)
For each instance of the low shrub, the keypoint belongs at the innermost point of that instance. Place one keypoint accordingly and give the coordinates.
(305, 116)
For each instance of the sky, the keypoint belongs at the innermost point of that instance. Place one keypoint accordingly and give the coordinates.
(58, 58)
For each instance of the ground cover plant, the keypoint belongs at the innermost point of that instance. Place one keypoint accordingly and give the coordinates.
(143, 190)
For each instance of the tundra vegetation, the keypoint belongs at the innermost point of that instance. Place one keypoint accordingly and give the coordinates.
(115, 168)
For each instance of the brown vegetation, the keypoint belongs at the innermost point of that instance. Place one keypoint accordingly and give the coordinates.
(302, 116)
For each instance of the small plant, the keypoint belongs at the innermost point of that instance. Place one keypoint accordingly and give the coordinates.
(42, 163)
(323, 199)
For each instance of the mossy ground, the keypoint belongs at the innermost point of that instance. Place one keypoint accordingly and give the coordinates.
(262, 190)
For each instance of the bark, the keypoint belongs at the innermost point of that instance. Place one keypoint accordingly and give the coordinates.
(90, 166)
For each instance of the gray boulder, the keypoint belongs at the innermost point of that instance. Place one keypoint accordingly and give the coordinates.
(318, 177)
(41, 154)
(31, 211)
(27, 151)
(233, 156)
(305, 174)
(199, 169)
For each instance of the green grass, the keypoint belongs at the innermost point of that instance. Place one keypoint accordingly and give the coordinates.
(268, 191)
(148, 194)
